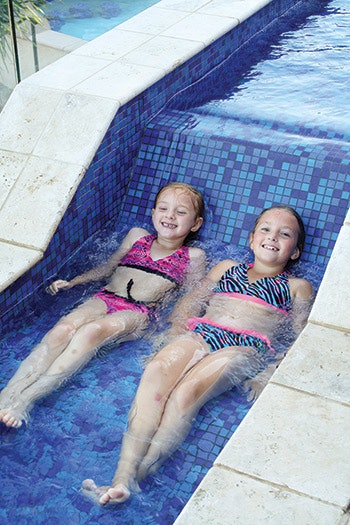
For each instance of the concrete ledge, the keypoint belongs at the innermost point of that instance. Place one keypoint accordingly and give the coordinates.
(288, 460)
(55, 119)
(219, 500)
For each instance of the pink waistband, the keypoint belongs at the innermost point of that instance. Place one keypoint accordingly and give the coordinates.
(252, 299)
(115, 303)
(194, 321)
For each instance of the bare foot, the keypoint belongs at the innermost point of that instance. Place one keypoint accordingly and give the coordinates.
(12, 417)
(117, 494)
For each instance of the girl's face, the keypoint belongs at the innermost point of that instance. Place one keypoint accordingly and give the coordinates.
(174, 215)
(275, 237)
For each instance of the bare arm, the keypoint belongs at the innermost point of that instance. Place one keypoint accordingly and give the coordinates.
(197, 267)
(103, 271)
(193, 304)
(302, 294)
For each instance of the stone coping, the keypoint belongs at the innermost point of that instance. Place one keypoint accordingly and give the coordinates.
(288, 460)
(43, 159)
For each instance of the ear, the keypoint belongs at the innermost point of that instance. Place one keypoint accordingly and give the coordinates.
(295, 254)
(251, 237)
(198, 223)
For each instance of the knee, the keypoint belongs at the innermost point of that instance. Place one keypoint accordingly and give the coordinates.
(154, 371)
(92, 333)
(61, 333)
(155, 381)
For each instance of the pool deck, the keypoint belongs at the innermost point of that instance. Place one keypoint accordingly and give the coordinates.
(288, 461)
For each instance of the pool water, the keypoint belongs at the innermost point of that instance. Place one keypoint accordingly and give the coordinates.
(294, 80)
(89, 19)
(76, 432)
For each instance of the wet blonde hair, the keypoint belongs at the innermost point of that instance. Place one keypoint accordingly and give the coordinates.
(195, 195)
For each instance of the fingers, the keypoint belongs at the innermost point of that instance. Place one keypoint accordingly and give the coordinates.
(251, 396)
(54, 287)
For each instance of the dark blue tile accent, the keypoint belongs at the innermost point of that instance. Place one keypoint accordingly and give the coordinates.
(241, 177)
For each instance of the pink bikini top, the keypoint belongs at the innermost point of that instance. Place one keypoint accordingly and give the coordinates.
(173, 267)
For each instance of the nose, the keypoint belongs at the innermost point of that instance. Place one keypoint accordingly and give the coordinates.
(272, 236)
(170, 213)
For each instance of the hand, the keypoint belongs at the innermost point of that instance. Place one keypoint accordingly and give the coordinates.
(58, 285)
(256, 384)
(253, 387)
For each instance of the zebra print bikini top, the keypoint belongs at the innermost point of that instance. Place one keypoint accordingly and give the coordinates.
(271, 291)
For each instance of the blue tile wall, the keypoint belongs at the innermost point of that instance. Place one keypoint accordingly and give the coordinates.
(111, 188)
(240, 177)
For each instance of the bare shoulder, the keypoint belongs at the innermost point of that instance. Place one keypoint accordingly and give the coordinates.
(196, 254)
(130, 238)
(133, 235)
(219, 269)
(136, 233)
(197, 262)
(301, 288)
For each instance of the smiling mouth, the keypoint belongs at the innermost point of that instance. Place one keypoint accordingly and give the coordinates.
(269, 247)
(168, 225)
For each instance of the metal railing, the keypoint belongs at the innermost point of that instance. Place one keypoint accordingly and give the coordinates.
(14, 42)
(13, 37)
(19, 51)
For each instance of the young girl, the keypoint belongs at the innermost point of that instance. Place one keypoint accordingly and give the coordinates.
(243, 307)
(142, 272)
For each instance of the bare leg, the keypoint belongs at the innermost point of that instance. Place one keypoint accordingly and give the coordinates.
(161, 376)
(51, 346)
(88, 338)
(216, 373)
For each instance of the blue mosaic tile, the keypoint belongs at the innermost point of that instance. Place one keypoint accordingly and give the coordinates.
(156, 138)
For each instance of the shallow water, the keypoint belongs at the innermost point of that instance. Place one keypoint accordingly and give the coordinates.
(75, 433)
(91, 18)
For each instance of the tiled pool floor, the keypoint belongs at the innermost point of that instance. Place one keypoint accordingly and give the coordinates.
(317, 396)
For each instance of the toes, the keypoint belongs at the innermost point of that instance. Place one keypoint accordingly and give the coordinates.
(104, 499)
(104, 495)
(89, 484)
(10, 420)
(116, 494)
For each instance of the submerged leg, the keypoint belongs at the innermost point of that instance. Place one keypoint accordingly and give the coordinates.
(215, 374)
(79, 351)
(160, 377)
(47, 351)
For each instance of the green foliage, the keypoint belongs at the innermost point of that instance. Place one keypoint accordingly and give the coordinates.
(24, 11)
